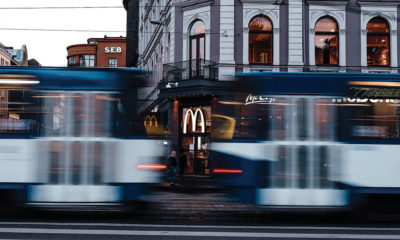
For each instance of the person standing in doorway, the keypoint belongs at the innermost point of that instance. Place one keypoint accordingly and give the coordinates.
(182, 165)
(172, 167)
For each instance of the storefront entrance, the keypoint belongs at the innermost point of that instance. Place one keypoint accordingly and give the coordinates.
(196, 127)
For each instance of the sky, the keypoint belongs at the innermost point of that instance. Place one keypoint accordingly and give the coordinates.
(49, 47)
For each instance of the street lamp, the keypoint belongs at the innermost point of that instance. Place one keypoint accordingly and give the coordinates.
(169, 85)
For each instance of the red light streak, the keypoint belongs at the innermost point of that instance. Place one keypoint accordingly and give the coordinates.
(219, 170)
(151, 166)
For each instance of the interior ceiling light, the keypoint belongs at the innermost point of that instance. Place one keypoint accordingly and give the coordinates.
(18, 81)
(375, 84)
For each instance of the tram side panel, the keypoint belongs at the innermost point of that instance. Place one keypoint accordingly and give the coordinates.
(18, 161)
(137, 167)
(281, 174)
(372, 173)
(96, 170)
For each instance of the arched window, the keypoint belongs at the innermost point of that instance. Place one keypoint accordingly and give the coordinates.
(326, 42)
(197, 48)
(378, 37)
(197, 40)
(260, 40)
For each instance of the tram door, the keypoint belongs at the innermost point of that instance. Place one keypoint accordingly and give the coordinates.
(76, 148)
(303, 137)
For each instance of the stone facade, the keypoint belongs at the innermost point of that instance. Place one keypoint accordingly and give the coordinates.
(164, 25)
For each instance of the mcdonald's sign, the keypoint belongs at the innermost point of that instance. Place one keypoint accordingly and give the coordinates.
(197, 113)
(152, 126)
(149, 120)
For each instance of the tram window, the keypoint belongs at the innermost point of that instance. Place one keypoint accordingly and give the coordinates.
(324, 119)
(17, 111)
(79, 115)
(302, 167)
(56, 168)
(76, 163)
(97, 163)
(279, 119)
(301, 115)
(280, 166)
(252, 122)
(377, 120)
(324, 166)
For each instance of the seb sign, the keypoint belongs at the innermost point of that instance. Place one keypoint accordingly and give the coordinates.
(113, 50)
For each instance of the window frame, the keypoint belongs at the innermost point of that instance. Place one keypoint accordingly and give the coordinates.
(336, 33)
(72, 61)
(113, 60)
(197, 59)
(271, 32)
(90, 58)
(379, 34)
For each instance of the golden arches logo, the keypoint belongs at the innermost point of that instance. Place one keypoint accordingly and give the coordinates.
(148, 121)
(193, 116)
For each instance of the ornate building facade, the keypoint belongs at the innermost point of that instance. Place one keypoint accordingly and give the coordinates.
(193, 46)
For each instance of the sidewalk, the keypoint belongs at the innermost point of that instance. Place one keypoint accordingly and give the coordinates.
(176, 202)
(192, 184)
(196, 193)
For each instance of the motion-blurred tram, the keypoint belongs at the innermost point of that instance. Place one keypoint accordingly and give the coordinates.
(73, 135)
(307, 140)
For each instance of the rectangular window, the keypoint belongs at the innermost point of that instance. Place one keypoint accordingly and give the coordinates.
(260, 48)
(113, 62)
(326, 49)
(71, 61)
(375, 119)
(377, 50)
(86, 60)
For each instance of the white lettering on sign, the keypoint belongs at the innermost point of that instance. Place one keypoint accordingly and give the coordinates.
(364, 100)
(251, 99)
(113, 49)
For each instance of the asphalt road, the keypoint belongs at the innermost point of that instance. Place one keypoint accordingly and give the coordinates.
(188, 216)
(191, 230)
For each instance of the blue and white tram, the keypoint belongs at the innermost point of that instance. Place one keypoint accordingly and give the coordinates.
(309, 139)
(74, 136)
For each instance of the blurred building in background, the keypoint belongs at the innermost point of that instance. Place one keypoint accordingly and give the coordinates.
(33, 63)
(195, 46)
(13, 57)
(98, 52)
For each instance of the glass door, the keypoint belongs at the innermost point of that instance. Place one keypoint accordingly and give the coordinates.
(196, 148)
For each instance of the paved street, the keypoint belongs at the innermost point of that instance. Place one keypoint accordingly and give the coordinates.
(178, 215)
(103, 230)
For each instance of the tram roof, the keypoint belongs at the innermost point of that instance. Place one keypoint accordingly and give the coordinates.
(64, 78)
(299, 83)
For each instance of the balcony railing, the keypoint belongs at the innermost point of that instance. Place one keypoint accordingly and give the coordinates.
(192, 69)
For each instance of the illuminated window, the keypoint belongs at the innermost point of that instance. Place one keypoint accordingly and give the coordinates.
(326, 42)
(378, 50)
(260, 40)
